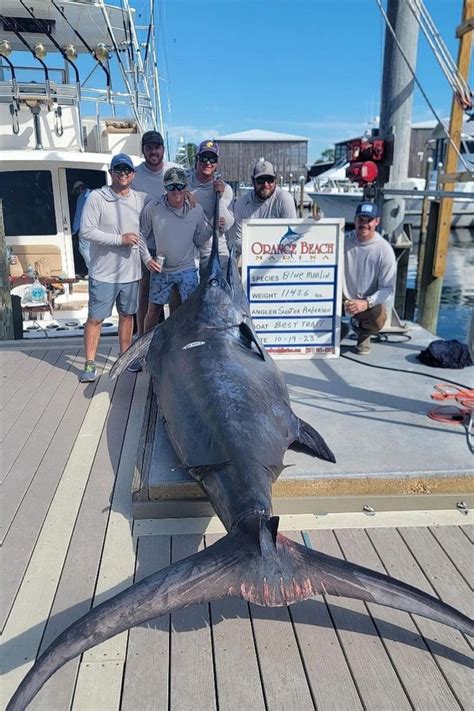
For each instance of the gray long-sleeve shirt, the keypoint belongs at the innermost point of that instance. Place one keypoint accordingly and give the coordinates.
(369, 269)
(105, 218)
(280, 204)
(176, 233)
(151, 182)
(206, 195)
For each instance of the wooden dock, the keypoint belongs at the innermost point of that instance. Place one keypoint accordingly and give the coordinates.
(68, 452)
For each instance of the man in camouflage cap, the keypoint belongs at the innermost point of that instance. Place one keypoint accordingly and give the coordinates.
(177, 229)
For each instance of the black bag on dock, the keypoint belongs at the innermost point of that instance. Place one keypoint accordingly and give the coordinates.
(446, 354)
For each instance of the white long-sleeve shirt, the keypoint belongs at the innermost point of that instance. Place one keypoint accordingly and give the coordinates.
(105, 218)
(206, 195)
(369, 269)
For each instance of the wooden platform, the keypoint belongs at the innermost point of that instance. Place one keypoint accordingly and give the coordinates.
(67, 453)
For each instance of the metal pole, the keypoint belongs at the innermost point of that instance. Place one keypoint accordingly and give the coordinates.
(425, 213)
(396, 109)
(6, 312)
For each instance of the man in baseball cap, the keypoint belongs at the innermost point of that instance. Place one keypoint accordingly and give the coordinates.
(122, 159)
(265, 201)
(177, 229)
(369, 276)
(149, 179)
(204, 183)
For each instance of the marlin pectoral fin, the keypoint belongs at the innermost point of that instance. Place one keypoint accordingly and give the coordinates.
(137, 352)
(248, 333)
(312, 440)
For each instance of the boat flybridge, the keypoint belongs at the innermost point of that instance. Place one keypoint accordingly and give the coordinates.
(50, 53)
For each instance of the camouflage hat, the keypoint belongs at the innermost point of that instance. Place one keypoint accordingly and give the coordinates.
(174, 175)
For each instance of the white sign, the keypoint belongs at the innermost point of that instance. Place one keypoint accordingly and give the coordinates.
(292, 277)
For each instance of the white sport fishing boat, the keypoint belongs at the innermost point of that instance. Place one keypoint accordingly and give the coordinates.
(78, 83)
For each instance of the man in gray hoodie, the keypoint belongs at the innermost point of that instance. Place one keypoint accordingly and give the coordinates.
(111, 222)
(265, 201)
(178, 229)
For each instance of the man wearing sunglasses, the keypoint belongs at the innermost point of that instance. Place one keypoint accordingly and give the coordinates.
(149, 179)
(178, 229)
(369, 276)
(203, 184)
(111, 223)
(265, 201)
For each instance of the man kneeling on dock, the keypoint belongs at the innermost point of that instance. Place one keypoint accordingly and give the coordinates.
(369, 276)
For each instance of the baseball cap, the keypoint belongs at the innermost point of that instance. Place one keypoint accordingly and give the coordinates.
(174, 175)
(77, 186)
(122, 159)
(367, 209)
(209, 146)
(263, 167)
(152, 137)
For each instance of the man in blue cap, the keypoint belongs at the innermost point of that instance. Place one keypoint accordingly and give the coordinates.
(111, 223)
(369, 275)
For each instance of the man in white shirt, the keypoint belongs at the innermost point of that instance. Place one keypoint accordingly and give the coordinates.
(369, 275)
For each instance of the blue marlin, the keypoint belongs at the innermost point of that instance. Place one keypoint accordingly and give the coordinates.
(227, 412)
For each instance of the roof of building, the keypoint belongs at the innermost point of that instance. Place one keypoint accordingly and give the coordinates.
(258, 135)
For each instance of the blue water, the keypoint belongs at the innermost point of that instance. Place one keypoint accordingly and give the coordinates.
(457, 295)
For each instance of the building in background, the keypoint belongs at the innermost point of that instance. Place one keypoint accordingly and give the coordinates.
(240, 151)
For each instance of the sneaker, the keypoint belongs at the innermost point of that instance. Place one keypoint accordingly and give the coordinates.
(363, 348)
(89, 374)
(134, 367)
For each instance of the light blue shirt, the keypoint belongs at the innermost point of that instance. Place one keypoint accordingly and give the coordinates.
(81, 200)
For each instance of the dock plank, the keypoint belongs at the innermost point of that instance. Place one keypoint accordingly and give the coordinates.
(459, 549)
(421, 678)
(441, 572)
(26, 623)
(234, 649)
(469, 532)
(23, 533)
(26, 393)
(192, 683)
(449, 647)
(370, 665)
(329, 676)
(18, 372)
(78, 580)
(35, 420)
(146, 676)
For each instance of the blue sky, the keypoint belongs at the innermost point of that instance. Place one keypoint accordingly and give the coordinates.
(306, 67)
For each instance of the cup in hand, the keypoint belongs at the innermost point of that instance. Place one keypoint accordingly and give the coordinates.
(160, 259)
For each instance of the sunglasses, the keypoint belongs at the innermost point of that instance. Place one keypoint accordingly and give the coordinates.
(207, 159)
(118, 169)
(270, 179)
(175, 186)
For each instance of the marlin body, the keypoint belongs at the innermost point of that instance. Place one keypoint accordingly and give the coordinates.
(227, 412)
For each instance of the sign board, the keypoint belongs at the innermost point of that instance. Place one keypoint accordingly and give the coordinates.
(291, 273)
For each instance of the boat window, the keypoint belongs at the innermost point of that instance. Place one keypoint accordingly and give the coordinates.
(28, 203)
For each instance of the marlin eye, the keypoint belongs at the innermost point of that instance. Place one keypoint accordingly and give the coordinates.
(213, 282)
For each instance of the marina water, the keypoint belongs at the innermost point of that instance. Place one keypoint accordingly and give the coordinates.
(457, 296)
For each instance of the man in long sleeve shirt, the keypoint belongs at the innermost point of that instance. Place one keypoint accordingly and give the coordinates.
(203, 185)
(369, 275)
(265, 201)
(148, 179)
(178, 229)
(111, 223)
